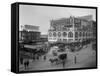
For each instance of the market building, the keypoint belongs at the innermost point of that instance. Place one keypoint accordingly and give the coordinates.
(72, 29)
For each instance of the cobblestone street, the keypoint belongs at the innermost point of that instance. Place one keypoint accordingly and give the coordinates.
(86, 57)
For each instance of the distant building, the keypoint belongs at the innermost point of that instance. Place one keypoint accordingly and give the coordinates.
(44, 38)
(30, 33)
(31, 28)
(72, 29)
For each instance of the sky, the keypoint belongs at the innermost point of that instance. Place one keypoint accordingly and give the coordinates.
(41, 15)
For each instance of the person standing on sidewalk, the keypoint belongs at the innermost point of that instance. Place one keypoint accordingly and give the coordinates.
(75, 59)
(64, 62)
(21, 60)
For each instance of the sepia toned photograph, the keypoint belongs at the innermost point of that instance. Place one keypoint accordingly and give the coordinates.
(54, 37)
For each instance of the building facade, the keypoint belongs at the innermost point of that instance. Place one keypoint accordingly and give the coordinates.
(72, 29)
(30, 33)
(44, 38)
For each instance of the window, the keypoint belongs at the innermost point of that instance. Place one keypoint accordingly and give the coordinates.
(64, 34)
(76, 39)
(70, 39)
(83, 34)
(50, 34)
(70, 34)
(86, 34)
(64, 39)
(59, 34)
(89, 34)
(80, 34)
(54, 34)
(50, 38)
(76, 34)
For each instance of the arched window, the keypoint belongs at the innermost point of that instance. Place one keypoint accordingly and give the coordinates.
(80, 34)
(70, 34)
(54, 34)
(50, 34)
(59, 34)
(64, 34)
(76, 34)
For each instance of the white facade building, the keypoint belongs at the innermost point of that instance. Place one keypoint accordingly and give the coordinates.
(70, 29)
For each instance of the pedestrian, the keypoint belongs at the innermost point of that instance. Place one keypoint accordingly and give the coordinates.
(21, 60)
(75, 59)
(25, 65)
(63, 62)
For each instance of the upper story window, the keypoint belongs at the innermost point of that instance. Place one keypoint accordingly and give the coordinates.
(50, 34)
(54, 34)
(64, 34)
(70, 34)
(59, 34)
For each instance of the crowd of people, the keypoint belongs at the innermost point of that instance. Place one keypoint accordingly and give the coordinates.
(26, 61)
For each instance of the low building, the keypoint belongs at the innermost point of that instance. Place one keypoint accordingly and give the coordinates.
(30, 33)
(44, 38)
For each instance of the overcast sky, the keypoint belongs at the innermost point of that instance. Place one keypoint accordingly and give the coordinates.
(41, 15)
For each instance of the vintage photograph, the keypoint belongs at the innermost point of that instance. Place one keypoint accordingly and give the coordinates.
(53, 37)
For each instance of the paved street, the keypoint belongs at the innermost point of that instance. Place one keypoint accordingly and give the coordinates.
(86, 57)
